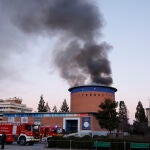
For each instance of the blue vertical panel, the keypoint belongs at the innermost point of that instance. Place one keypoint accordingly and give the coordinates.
(86, 123)
(10, 119)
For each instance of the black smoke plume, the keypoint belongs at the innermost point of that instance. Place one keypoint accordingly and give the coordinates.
(77, 23)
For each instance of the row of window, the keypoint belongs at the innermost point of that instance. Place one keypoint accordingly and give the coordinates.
(94, 94)
(11, 108)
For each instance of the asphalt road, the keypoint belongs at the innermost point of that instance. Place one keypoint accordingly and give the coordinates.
(37, 146)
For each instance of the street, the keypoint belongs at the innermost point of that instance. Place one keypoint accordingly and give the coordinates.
(38, 146)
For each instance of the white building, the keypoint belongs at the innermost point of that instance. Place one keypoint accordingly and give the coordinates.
(13, 105)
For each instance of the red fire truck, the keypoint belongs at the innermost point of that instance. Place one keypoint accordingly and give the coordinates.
(48, 131)
(22, 133)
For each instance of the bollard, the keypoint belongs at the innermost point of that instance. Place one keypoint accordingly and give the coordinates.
(70, 144)
(124, 145)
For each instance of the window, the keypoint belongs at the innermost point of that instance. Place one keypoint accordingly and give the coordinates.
(28, 127)
(35, 128)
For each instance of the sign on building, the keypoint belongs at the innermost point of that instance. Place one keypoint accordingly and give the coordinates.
(86, 123)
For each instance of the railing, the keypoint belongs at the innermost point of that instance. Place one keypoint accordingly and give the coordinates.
(139, 145)
(77, 144)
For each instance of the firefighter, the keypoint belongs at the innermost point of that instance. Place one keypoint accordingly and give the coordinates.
(3, 140)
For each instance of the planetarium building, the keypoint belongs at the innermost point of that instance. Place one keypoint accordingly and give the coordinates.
(88, 98)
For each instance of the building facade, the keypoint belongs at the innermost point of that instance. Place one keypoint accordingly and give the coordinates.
(88, 98)
(13, 105)
(71, 122)
(148, 115)
(85, 101)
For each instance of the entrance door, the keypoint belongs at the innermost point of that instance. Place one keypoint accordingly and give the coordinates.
(71, 126)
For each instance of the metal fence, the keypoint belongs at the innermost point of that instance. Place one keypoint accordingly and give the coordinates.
(94, 145)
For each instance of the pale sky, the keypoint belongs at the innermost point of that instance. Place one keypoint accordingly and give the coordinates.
(27, 70)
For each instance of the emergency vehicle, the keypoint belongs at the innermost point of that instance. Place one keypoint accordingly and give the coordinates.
(22, 133)
(48, 131)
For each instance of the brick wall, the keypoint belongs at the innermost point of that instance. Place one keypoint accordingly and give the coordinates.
(58, 120)
(88, 101)
(52, 121)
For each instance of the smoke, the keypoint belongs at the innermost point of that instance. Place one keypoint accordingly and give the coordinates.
(77, 24)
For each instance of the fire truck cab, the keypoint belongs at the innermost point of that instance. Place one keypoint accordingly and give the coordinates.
(22, 133)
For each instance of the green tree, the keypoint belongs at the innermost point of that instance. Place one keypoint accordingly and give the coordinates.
(107, 115)
(47, 107)
(123, 117)
(54, 109)
(140, 124)
(41, 105)
(64, 107)
(140, 113)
